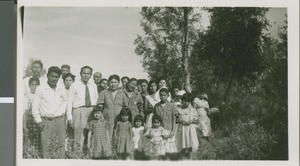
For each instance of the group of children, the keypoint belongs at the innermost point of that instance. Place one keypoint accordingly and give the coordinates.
(169, 131)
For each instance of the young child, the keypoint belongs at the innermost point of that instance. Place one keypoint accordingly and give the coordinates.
(156, 139)
(202, 108)
(137, 141)
(99, 142)
(30, 127)
(167, 110)
(123, 134)
(187, 119)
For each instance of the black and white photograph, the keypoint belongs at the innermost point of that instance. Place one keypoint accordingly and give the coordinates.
(154, 83)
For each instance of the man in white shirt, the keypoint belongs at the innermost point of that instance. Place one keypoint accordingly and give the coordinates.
(36, 69)
(48, 109)
(83, 95)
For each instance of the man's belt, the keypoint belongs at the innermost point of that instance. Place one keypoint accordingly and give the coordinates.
(52, 118)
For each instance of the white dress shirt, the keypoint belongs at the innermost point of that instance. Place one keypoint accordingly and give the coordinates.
(43, 81)
(76, 96)
(48, 102)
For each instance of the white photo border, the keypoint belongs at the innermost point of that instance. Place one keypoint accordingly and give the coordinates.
(293, 76)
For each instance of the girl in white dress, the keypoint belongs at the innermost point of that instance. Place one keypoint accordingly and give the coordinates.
(188, 119)
(202, 107)
(138, 138)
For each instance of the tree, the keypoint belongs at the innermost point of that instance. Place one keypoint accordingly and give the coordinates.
(232, 44)
(170, 33)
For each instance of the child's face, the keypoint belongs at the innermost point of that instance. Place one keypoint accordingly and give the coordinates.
(68, 82)
(156, 123)
(138, 123)
(33, 85)
(124, 118)
(97, 115)
(184, 104)
(163, 96)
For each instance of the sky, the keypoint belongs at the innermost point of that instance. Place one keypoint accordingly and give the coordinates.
(100, 37)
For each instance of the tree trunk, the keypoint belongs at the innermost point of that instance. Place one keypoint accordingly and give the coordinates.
(229, 85)
(185, 51)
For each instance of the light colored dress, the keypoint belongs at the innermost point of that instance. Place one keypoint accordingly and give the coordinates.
(187, 135)
(155, 146)
(204, 121)
(137, 139)
(124, 137)
(100, 142)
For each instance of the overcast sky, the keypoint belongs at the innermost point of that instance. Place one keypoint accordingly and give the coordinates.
(100, 37)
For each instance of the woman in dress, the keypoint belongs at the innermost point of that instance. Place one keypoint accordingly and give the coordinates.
(188, 120)
(202, 107)
(112, 100)
(150, 102)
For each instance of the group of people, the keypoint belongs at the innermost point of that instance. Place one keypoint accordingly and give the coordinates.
(125, 118)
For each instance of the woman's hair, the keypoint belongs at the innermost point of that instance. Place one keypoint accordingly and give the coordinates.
(142, 81)
(164, 90)
(114, 76)
(68, 75)
(139, 118)
(125, 111)
(34, 79)
(187, 97)
(151, 82)
(125, 77)
(156, 117)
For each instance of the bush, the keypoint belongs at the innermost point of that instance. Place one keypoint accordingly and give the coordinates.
(247, 141)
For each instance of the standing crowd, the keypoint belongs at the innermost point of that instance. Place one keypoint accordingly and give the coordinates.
(125, 118)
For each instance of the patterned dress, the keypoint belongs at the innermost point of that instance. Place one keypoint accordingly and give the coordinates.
(204, 121)
(100, 144)
(187, 135)
(155, 146)
(124, 137)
